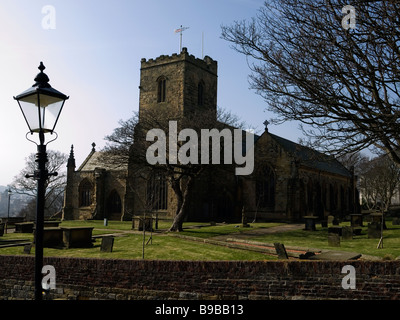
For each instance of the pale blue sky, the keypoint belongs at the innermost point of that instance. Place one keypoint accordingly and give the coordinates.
(93, 55)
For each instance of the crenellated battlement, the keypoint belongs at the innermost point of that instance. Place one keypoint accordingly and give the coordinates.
(207, 63)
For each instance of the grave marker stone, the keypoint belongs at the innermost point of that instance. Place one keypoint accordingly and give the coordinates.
(333, 240)
(374, 230)
(347, 233)
(27, 248)
(396, 221)
(280, 250)
(107, 244)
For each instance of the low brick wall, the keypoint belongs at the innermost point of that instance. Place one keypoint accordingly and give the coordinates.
(148, 279)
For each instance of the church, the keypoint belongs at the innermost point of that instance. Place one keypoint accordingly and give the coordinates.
(289, 180)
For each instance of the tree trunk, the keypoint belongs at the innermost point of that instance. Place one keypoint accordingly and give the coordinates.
(183, 202)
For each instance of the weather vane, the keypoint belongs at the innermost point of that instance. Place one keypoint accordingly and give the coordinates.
(180, 31)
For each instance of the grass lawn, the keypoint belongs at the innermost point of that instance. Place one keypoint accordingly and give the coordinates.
(164, 246)
(130, 245)
(359, 244)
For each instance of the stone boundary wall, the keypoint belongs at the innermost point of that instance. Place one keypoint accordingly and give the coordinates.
(78, 278)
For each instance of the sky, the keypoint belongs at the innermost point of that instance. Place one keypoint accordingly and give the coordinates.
(92, 52)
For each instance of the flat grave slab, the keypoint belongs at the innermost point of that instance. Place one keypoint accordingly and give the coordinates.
(336, 255)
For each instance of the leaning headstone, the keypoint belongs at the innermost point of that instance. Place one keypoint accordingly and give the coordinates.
(280, 250)
(107, 244)
(333, 240)
(347, 233)
(374, 230)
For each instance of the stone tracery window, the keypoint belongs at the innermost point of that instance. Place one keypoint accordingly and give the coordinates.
(85, 193)
(265, 189)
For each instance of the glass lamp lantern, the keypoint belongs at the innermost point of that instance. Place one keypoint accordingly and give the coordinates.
(41, 104)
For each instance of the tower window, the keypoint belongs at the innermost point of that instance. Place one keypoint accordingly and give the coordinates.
(161, 89)
(200, 93)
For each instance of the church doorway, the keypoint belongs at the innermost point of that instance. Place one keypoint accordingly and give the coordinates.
(114, 206)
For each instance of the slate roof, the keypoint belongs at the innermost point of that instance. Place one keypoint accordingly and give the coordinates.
(98, 159)
(312, 158)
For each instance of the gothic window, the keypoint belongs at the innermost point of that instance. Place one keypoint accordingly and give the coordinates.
(85, 193)
(265, 189)
(200, 93)
(161, 85)
(114, 202)
(157, 192)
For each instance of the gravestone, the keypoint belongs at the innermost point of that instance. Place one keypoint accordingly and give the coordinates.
(280, 250)
(333, 240)
(330, 219)
(335, 221)
(27, 248)
(356, 220)
(347, 233)
(396, 221)
(2, 228)
(374, 230)
(107, 244)
(310, 223)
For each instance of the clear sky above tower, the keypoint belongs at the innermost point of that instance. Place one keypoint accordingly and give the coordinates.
(92, 52)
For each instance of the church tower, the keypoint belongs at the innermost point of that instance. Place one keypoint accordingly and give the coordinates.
(179, 83)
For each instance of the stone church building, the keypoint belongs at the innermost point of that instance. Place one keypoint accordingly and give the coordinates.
(289, 180)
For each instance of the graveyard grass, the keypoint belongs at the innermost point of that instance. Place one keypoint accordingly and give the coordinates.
(166, 246)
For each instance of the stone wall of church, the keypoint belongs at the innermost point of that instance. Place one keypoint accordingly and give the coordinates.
(103, 182)
(299, 190)
(270, 154)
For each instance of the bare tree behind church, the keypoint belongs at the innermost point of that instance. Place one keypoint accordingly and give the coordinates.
(339, 80)
(54, 185)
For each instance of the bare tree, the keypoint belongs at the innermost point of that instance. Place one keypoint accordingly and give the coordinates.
(378, 182)
(342, 84)
(54, 185)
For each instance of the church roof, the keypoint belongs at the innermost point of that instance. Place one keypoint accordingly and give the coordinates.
(312, 158)
(102, 160)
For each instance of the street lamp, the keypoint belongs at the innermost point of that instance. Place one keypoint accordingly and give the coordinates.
(41, 106)
(8, 207)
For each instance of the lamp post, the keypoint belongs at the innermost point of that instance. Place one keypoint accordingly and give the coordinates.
(8, 207)
(41, 106)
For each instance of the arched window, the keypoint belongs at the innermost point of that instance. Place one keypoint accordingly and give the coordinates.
(200, 93)
(161, 87)
(157, 192)
(265, 189)
(85, 193)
